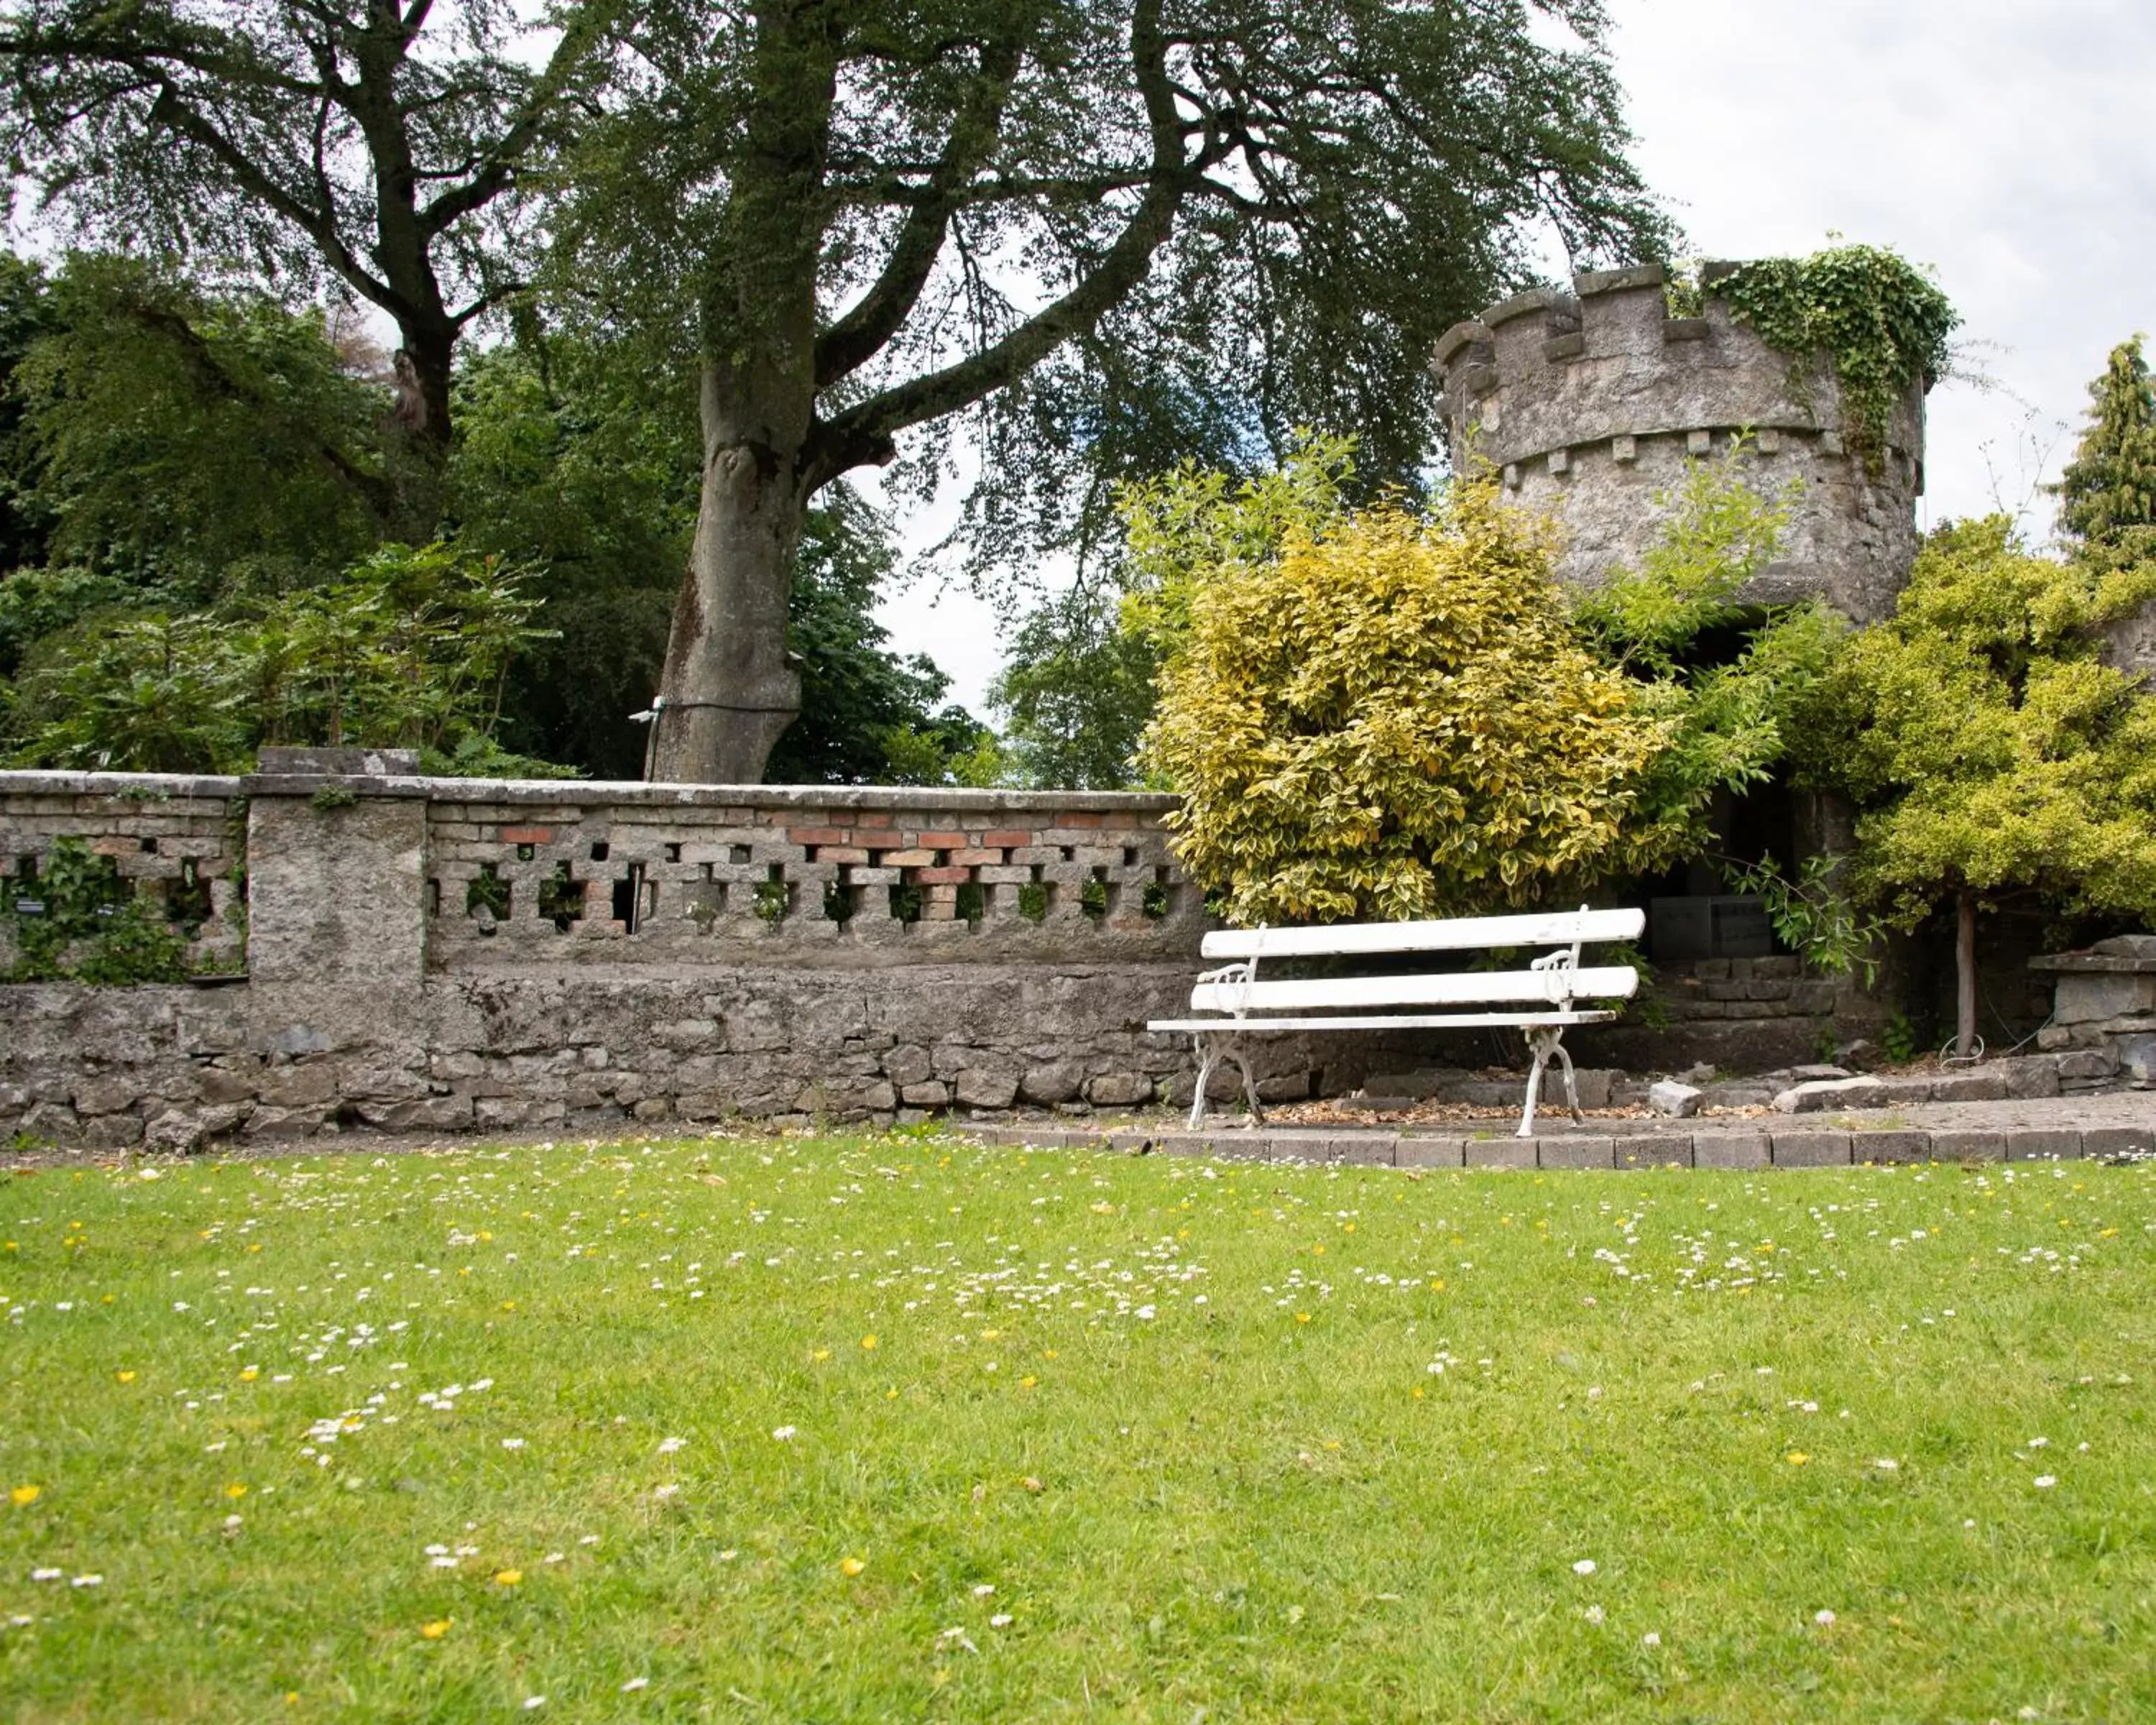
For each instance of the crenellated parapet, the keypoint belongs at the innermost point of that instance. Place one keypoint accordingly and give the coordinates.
(1590, 405)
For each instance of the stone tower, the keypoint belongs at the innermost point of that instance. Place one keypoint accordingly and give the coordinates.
(1591, 403)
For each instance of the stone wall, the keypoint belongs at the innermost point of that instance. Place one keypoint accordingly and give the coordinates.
(1591, 405)
(436, 954)
(2104, 1005)
(440, 955)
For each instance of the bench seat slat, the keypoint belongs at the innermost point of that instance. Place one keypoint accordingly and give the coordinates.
(1397, 1021)
(1559, 928)
(1616, 982)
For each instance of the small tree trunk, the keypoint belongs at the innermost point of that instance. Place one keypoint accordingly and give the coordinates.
(1965, 976)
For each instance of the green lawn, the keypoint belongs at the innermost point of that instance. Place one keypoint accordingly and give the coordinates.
(902, 1428)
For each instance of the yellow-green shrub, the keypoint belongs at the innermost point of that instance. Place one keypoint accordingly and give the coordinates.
(1396, 720)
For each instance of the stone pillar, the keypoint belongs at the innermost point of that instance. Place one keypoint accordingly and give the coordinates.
(337, 898)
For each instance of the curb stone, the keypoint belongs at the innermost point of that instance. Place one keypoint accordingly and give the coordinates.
(1743, 1150)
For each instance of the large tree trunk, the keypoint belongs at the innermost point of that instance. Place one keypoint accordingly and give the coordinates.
(727, 693)
(1965, 976)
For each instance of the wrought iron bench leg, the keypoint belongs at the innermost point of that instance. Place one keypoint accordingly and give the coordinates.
(1208, 1056)
(1249, 1084)
(1546, 1044)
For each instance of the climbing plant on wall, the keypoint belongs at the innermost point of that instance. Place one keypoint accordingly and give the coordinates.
(1882, 322)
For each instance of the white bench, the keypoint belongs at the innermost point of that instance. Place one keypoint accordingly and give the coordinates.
(1538, 1000)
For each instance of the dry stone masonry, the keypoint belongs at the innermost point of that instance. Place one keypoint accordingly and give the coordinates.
(440, 954)
(378, 950)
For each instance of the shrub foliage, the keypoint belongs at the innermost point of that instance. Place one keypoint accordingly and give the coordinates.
(1395, 721)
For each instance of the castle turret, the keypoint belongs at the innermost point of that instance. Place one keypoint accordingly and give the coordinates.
(1591, 404)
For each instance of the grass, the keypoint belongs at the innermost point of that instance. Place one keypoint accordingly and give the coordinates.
(902, 1428)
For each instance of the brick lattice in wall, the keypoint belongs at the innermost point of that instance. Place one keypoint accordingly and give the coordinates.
(592, 878)
(176, 840)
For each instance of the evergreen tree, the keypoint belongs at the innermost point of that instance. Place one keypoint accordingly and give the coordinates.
(1990, 752)
(2109, 485)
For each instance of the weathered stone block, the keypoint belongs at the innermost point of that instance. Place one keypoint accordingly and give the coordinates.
(1885, 1147)
(1417, 1150)
(1118, 1090)
(268, 1122)
(1054, 1081)
(1958, 1146)
(1297, 1146)
(1366, 1149)
(2118, 1141)
(107, 1093)
(1500, 1152)
(2086, 1063)
(1651, 1150)
(978, 1089)
(2085, 998)
(427, 1115)
(930, 1093)
(1732, 1150)
(1678, 1101)
(1830, 1096)
(1586, 1151)
(1985, 1085)
(301, 1087)
(2043, 1144)
(2030, 1076)
(2136, 1060)
(1811, 1149)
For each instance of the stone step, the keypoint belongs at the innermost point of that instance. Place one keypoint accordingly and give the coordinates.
(1728, 1149)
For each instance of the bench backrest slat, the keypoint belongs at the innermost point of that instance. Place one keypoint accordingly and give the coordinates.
(1558, 928)
(1541, 987)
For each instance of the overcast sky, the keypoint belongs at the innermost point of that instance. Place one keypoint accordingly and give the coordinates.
(2005, 143)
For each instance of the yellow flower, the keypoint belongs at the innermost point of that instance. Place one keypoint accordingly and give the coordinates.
(22, 1495)
(125, 1377)
(1437, 1284)
(1302, 1317)
(508, 1577)
(249, 1373)
(1798, 1458)
(868, 1343)
(821, 1354)
(851, 1566)
(509, 1306)
(435, 1630)
(236, 1490)
(1027, 1382)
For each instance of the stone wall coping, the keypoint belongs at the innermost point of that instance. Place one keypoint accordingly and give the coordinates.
(2082, 963)
(1461, 335)
(558, 791)
(43, 782)
(47, 783)
(1588, 282)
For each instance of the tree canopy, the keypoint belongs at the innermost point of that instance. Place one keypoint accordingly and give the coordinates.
(196, 482)
(378, 146)
(1108, 234)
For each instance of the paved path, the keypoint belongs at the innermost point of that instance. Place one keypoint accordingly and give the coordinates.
(2049, 1129)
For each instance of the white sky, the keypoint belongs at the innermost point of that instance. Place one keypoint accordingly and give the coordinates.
(2005, 143)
